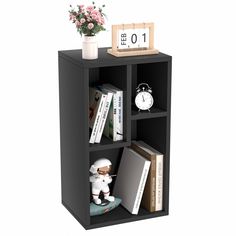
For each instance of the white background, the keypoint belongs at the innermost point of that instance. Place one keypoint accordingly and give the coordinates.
(201, 37)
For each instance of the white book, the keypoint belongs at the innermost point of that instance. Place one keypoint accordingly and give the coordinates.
(96, 104)
(110, 125)
(118, 103)
(104, 115)
(159, 173)
(119, 127)
(131, 179)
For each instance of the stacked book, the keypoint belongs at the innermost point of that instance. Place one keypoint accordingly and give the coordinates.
(140, 178)
(105, 113)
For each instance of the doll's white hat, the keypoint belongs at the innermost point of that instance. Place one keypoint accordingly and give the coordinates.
(98, 164)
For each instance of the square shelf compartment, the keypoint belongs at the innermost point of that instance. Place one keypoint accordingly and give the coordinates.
(156, 76)
(119, 214)
(152, 131)
(155, 132)
(117, 76)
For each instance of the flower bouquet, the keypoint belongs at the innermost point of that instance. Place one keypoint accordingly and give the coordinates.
(89, 21)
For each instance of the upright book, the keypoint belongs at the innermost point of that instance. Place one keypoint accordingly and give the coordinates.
(96, 105)
(104, 115)
(131, 179)
(153, 192)
(117, 112)
(110, 125)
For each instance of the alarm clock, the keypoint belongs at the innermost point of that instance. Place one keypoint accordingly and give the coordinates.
(144, 99)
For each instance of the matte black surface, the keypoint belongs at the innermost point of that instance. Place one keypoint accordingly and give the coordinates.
(105, 59)
(75, 77)
(153, 113)
(155, 75)
(121, 215)
(73, 86)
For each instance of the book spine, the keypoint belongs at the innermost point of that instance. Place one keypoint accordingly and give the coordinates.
(159, 182)
(108, 129)
(119, 118)
(103, 118)
(97, 119)
(139, 195)
(149, 195)
(115, 117)
(153, 185)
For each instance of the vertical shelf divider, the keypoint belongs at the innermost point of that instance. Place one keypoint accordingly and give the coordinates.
(128, 101)
(167, 160)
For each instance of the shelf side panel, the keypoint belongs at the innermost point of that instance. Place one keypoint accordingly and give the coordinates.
(73, 90)
(168, 135)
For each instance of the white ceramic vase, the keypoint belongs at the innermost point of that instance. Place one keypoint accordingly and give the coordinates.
(89, 47)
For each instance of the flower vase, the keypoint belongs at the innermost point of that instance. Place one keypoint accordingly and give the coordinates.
(89, 48)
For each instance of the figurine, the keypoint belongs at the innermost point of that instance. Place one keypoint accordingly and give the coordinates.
(100, 179)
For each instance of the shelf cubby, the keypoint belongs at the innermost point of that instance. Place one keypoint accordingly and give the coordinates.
(117, 76)
(152, 131)
(77, 154)
(156, 76)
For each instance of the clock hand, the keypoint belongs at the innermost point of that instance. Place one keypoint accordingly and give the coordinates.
(143, 98)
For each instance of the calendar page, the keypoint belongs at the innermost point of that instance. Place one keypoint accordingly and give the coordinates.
(133, 38)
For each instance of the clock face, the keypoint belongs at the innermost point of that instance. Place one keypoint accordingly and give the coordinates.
(144, 100)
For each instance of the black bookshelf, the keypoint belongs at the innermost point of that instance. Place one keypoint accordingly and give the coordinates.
(75, 77)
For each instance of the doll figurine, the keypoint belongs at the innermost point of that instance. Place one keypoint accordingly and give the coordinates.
(100, 179)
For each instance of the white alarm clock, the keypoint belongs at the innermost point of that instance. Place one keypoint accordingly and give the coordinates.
(144, 100)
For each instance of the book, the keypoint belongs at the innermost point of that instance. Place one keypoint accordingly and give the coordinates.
(96, 104)
(153, 192)
(117, 112)
(149, 194)
(131, 179)
(104, 115)
(110, 124)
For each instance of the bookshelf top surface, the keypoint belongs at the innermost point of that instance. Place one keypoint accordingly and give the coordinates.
(105, 59)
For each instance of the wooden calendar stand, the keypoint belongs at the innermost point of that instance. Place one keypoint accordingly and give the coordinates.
(124, 50)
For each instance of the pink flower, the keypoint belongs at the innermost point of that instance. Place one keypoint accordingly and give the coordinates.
(81, 6)
(89, 19)
(95, 12)
(72, 17)
(90, 26)
(90, 8)
(94, 16)
(82, 20)
(78, 24)
(102, 21)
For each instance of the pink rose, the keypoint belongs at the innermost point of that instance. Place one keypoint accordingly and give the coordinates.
(94, 16)
(82, 20)
(95, 12)
(100, 20)
(78, 24)
(90, 26)
(72, 17)
(90, 8)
